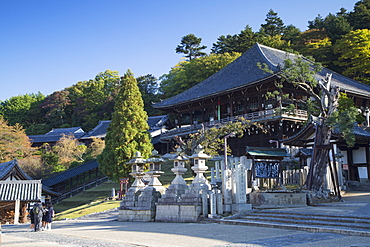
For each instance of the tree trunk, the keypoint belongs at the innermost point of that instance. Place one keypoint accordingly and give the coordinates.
(319, 161)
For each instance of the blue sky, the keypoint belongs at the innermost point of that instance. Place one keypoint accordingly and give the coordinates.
(47, 45)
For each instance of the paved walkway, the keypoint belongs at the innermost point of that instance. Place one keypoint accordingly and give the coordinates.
(104, 230)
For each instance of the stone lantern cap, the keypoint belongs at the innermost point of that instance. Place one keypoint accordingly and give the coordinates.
(154, 158)
(199, 153)
(137, 159)
(178, 156)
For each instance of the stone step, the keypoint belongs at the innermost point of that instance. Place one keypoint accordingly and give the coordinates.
(318, 222)
(312, 216)
(349, 225)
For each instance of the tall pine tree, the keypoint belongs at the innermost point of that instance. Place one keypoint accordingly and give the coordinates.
(128, 131)
(273, 26)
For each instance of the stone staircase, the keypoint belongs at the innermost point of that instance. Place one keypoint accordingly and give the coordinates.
(312, 222)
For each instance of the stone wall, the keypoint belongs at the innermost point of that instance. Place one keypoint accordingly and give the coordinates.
(277, 199)
(178, 213)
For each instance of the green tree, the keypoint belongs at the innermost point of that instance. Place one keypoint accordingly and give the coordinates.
(291, 34)
(127, 132)
(212, 139)
(23, 109)
(93, 100)
(189, 73)
(58, 112)
(149, 89)
(359, 18)
(301, 73)
(354, 54)
(273, 26)
(191, 47)
(275, 41)
(235, 43)
(335, 26)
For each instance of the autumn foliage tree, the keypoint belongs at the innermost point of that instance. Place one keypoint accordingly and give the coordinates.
(14, 143)
(128, 131)
(69, 150)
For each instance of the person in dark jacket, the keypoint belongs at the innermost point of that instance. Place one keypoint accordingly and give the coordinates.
(49, 216)
(38, 211)
(32, 218)
(43, 223)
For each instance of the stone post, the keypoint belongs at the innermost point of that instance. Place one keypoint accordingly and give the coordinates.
(226, 189)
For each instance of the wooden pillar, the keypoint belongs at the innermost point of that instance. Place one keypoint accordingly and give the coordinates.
(259, 98)
(70, 187)
(16, 211)
(353, 171)
(179, 119)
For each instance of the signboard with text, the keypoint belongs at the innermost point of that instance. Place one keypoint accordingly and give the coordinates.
(266, 169)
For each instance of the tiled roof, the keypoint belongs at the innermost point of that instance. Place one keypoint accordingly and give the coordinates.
(244, 71)
(261, 152)
(24, 190)
(99, 131)
(8, 167)
(154, 122)
(70, 173)
(306, 152)
(55, 134)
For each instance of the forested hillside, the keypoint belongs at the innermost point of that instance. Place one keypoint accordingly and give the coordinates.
(340, 41)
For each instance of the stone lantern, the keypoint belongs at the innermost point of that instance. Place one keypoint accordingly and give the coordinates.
(154, 172)
(200, 167)
(137, 166)
(179, 168)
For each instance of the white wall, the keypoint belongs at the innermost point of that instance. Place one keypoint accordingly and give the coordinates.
(359, 155)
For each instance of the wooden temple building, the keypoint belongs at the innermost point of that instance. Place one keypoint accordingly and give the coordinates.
(239, 90)
(17, 190)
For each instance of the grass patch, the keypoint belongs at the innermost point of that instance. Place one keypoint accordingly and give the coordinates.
(86, 200)
(94, 200)
(97, 206)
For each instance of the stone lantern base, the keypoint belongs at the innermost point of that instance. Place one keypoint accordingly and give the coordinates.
(142, 208)
(136, 215)
(178, 213)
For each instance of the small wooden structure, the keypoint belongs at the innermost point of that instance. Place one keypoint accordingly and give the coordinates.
(266, 163)
(14, 198)
(17, 189)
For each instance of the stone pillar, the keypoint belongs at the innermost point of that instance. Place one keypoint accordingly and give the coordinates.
(226, 189)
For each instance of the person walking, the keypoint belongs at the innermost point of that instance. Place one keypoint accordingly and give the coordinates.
(32, 218)
(49, 216)
(38, 211)
(43, 223)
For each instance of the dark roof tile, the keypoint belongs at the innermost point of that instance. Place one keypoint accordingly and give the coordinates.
(244, 71)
